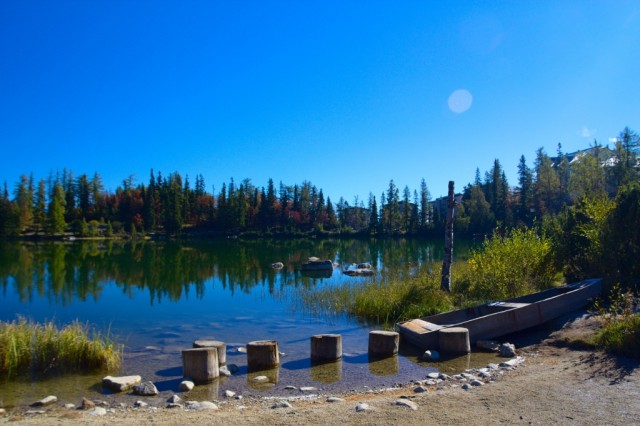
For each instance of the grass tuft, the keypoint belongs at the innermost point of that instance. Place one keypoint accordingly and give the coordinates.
(621, 337)
(28, 347)
(386, 299)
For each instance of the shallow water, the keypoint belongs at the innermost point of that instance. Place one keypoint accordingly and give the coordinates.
(157, 298)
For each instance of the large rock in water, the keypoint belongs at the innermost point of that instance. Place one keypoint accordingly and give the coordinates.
(120, 384)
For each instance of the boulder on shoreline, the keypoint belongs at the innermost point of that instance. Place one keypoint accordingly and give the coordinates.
(121, 383)
(145, 389)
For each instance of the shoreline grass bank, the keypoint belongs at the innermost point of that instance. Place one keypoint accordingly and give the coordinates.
(27, 347)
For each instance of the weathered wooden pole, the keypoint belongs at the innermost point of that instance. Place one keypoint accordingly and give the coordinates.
(200, 365)
(262, 355)
(383, 343)
(454, 340)
(448, 241)
(221, 347)
(326, 347)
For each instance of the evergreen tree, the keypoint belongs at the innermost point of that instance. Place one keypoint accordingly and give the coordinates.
(525, 182)
(68, 186)
(24, 202)
(564, 171)
(477, 180)
(425, 205)
(406, 209)
(320, 211)
(174, 200)
(414, 222)
(40, 213)
(497, 192)
(478, 210)
(223, 208)
(57, 223)
(546, 186)
(83, 191)
(625, 168)
(270, 204)
(187, 201)
(9, 215)
(373, 217)
(341, 209)
(587, 179)
(332, 220)
(285, 195)
(97, 197)
(149, 210)
(393, 208)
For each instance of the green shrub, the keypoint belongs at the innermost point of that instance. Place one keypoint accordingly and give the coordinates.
(621, 337)
(620, 332)
(519, 263)
(622, 239)
(26, 347)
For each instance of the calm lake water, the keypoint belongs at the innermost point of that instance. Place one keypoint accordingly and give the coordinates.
(158, 297)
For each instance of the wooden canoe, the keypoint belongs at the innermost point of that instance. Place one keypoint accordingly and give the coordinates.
(499, 318)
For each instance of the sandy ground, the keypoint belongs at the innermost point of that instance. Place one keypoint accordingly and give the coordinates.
(558, 383)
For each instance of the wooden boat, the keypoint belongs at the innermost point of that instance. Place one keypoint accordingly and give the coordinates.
(499, 318)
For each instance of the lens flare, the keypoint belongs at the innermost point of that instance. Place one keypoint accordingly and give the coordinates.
(460, 101)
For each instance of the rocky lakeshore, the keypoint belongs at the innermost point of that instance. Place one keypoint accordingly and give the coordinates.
(551, 381)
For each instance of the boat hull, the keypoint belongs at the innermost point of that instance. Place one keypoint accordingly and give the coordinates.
(500, 318)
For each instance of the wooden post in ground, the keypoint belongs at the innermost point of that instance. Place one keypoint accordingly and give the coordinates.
(262, 355)
(448, 241)
(200, 365)
(383, 343)
(326, 347)
(454, 340)
(221, 347)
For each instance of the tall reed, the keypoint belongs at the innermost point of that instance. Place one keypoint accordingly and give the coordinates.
(28, 347)
(383, 299)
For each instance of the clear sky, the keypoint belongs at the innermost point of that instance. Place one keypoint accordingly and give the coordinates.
(345, 94)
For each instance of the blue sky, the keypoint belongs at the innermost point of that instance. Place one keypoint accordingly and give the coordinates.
(347, 95)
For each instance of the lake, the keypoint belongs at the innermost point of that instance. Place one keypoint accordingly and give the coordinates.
(158, 297)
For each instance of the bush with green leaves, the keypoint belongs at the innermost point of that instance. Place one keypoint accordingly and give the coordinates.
(518, 263)
(622, 239)
(620, 333)
(580, 244)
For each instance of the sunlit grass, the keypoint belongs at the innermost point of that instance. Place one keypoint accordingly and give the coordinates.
(620, 332)
(621, 337)
(383, 299)
(518, 263)
(27, 347)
